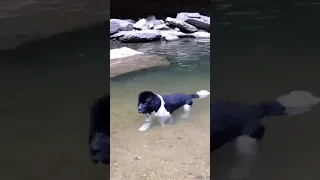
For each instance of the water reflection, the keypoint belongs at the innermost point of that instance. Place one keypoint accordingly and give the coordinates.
(46, 92)
(255, 64)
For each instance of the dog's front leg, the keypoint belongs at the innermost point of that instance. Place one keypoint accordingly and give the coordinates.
(163, 119)
(246, 150)
(146, 124)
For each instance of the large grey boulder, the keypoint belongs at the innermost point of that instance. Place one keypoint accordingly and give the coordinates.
(142, 24)
(140, 36)
(157, 22)
(185, 15)
(125, 60)
(114, 27)
(124, 25)
(118, 34)
(195, 19)
(201, 23)
(181, 24)
(161, 27)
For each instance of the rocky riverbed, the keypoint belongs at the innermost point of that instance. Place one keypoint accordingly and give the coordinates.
(185, 24)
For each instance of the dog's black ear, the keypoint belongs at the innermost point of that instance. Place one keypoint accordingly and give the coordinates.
(143, 96)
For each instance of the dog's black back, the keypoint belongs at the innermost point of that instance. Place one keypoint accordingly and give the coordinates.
(99, 139)
(150, 102)
(176, 101)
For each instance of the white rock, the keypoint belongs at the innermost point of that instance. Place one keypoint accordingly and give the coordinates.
(172, 32)
(123, 52)
(171, 37)
(140, 24)
(185, 15)
(201, 35)
(161, 27)
(150, 25)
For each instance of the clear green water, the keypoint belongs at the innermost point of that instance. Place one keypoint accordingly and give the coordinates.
(188, 72)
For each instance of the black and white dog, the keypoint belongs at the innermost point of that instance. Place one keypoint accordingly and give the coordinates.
(241, 123)
(99, 130)
(162, 106)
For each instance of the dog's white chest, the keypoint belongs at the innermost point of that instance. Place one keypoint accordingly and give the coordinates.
(162, 112)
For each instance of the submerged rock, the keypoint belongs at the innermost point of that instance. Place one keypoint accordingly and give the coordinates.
(123, 52)
(181, 24)
(140, 36)
(132, 63)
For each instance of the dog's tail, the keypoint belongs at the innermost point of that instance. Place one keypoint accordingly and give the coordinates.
(292, 104)
(200, 94)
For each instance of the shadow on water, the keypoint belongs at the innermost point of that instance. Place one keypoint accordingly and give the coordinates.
(188, 72)
(47, 88)
(252, 64)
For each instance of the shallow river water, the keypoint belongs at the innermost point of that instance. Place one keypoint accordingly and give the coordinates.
(178, 150)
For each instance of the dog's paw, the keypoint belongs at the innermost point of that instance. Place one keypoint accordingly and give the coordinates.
(144, 127)
(184, 115)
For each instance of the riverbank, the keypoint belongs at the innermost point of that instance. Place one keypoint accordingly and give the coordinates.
(125, 31)
(185, 24)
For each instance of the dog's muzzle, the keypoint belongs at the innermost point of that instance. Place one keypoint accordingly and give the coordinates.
(141, 108)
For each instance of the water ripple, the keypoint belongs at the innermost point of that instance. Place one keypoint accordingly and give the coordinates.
(185, 54)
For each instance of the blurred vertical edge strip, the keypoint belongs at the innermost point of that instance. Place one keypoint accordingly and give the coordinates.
(99, 130)
(212, 60)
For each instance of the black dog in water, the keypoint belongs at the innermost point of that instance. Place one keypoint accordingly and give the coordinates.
(99, 131)
(241, 122)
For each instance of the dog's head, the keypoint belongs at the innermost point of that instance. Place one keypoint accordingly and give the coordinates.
(146, 102)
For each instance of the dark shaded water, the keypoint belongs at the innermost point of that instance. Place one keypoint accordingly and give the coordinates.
(46, 91)
(252, 64)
